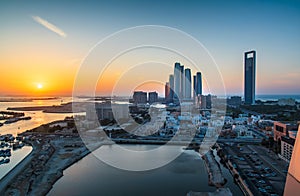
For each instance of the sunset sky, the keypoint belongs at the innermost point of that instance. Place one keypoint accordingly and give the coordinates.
(43, 43)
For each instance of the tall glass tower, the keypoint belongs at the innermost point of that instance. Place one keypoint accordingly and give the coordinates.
(181, 91)
(171, 93)
(199, 83)
(249, 89)
(187, 84)
(177, 80)
(195, 85)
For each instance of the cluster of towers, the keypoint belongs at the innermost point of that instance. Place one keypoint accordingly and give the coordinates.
(179, 86)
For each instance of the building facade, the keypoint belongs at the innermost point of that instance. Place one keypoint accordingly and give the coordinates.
(153, 97)
(287, 146)
(177, 81)
(249, 78)
(181, 91)
(171, 83)
(198, 83)
(292, 185)
(194, 86)
(282, 129)
(167, 91)
(140, 97)
(187, 84)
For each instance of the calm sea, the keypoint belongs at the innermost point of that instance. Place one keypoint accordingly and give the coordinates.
(38, 117)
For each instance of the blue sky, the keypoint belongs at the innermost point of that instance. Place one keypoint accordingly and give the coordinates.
(225, 28)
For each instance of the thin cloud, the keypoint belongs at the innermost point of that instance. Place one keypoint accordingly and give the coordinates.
(74, 61)
(49, 26)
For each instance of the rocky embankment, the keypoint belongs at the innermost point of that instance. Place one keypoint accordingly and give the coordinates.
(215, 176)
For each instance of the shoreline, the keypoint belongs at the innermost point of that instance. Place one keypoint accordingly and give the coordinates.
(235, 174)
(25, 99)
(62, 108)
(215, 175)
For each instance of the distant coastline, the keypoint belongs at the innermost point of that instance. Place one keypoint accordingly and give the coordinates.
(63, 108)
(25, 99)
(267, 97)
(32, 98)
(276, 97)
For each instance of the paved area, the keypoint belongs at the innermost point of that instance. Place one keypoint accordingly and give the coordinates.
(262, 170)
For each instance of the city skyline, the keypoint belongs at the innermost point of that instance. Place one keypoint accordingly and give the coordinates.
(154, 97)
(40, 45)
(179, 85)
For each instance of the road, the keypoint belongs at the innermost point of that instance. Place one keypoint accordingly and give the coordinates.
(270, 164)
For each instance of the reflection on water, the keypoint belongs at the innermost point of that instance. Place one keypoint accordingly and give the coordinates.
(93, 177)
(38, 117)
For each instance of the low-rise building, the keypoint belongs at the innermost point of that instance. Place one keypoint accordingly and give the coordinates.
(107, 110)
(140, 97)
(153, 97)
(281, 129)
(234, 101)
(285, 135)
(242, 131)
(240, 120)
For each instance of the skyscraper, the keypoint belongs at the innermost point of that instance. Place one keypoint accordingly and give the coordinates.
(181, 91)
(153, 97)
(171, 83)
(249, 88)
(198, 83)
(177, 81)
(187, 83)
(167, 91)
(139, 97)
(194, 85)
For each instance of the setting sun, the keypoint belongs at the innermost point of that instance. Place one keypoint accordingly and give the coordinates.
(39, 86)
